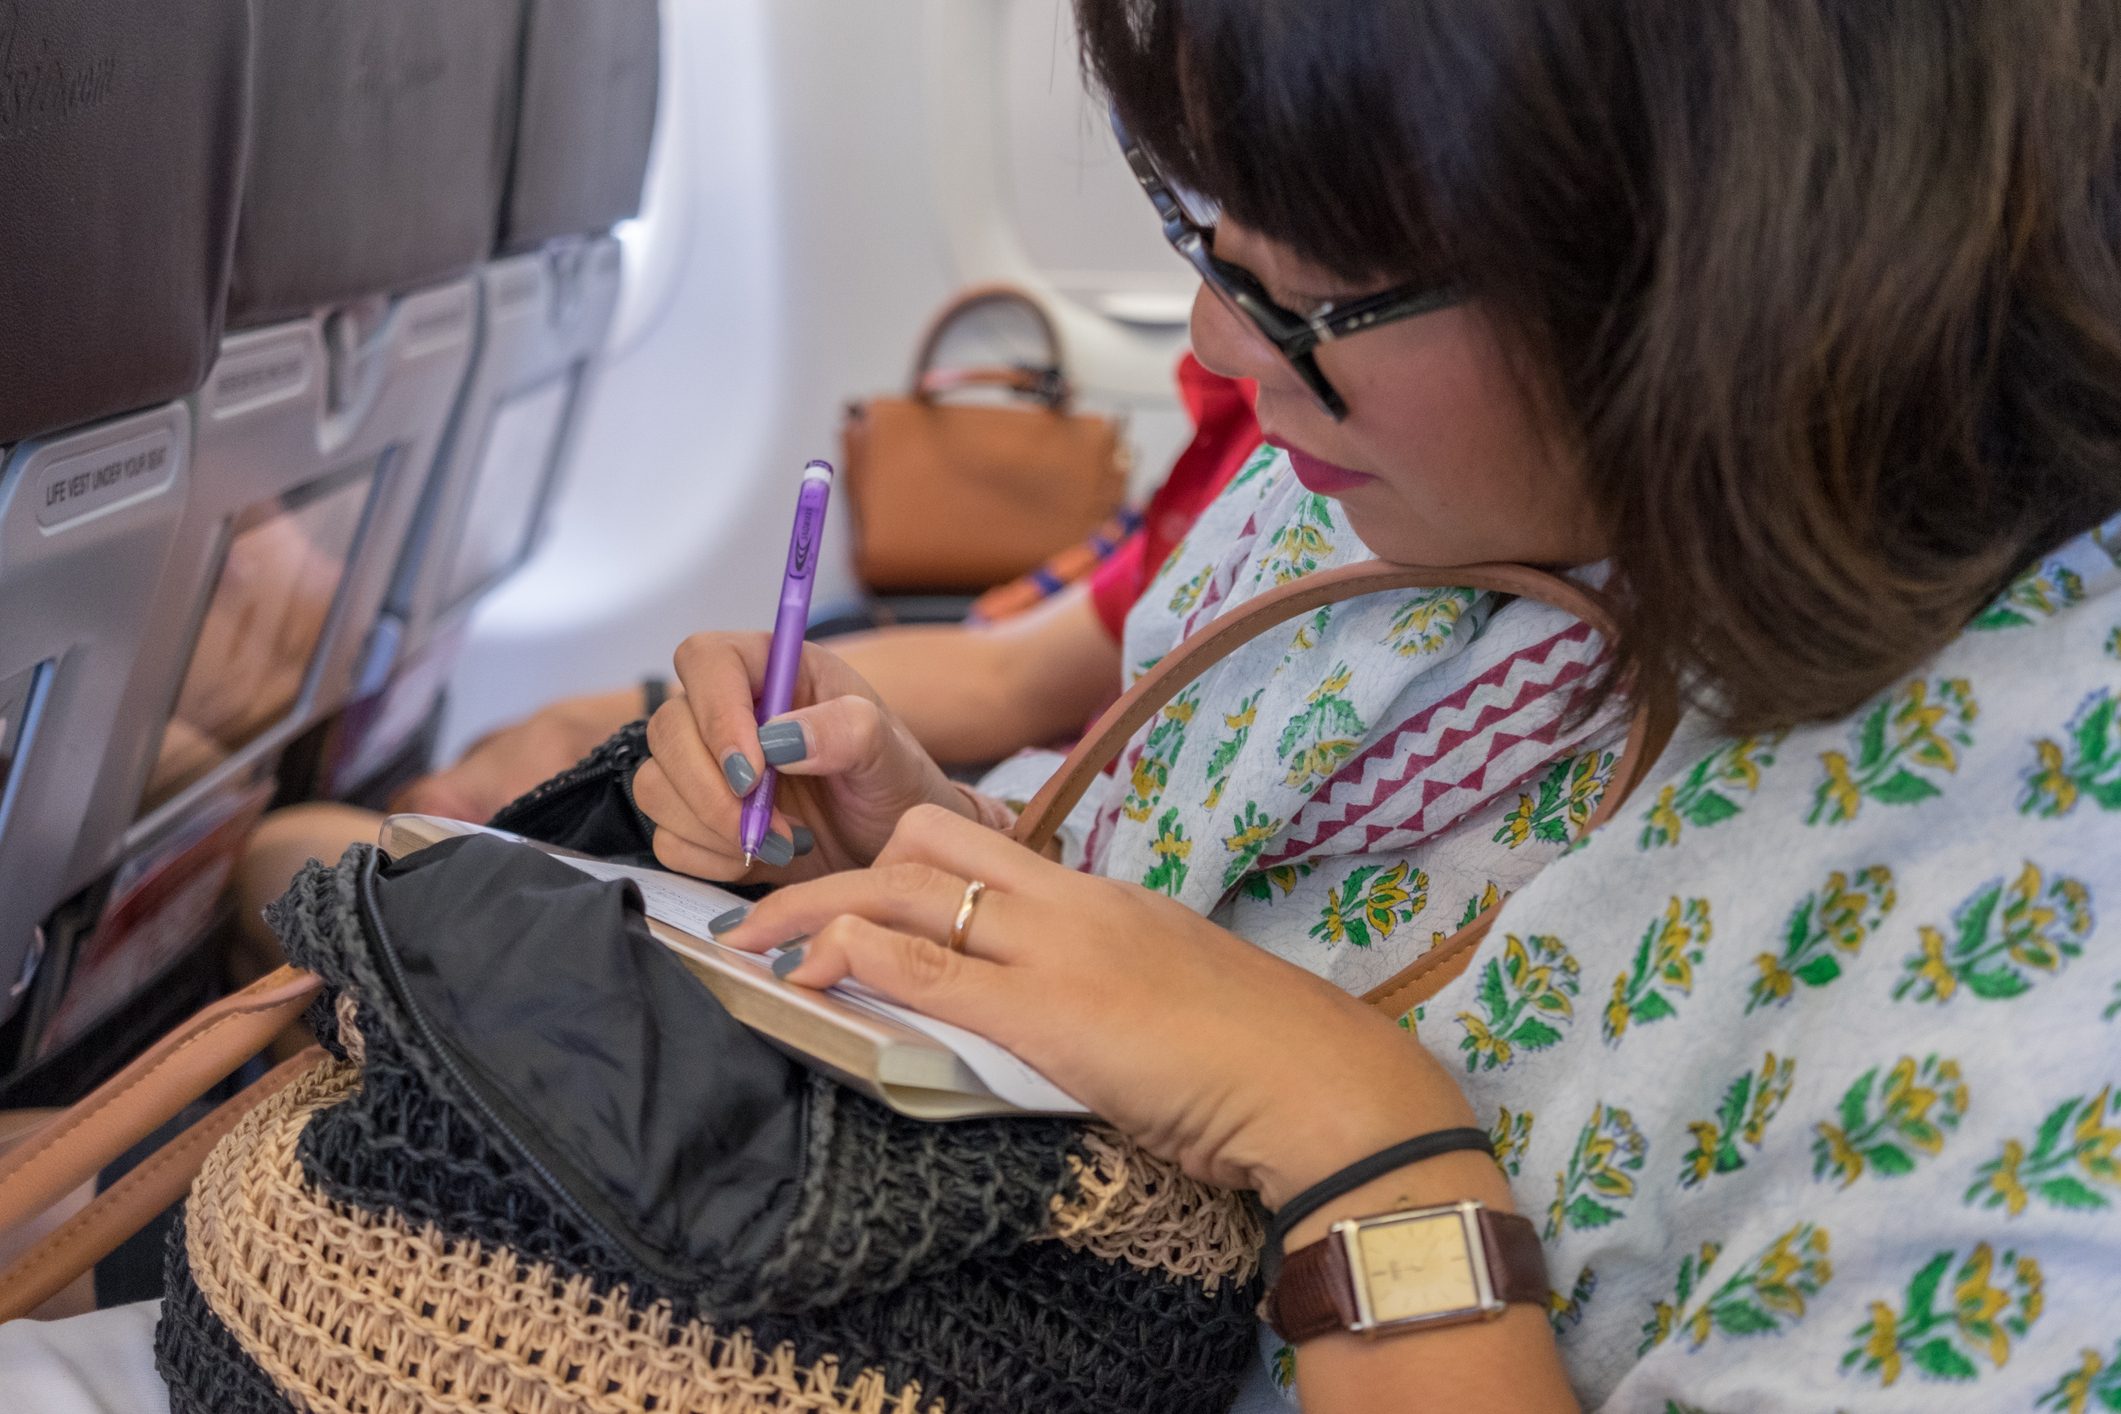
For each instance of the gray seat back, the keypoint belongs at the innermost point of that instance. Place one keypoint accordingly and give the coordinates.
(382, 132)
(123, 125)
(590, 72)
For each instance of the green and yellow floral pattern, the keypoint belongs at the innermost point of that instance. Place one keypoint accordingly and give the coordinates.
(1275, 882)
(1525, 996)
(1309, 634)
(1511, 1135)
(2002, 939)
(1600, 1176)
(1827, 928)
(1284, 1366)
(2085, 764)
(1368, 906)
(1299, 547)
(1324, 734)
(1566, 799)
(1721, 1144)
(2067, 1164)
(1172, 850)
(1707, 795)
(1765, 1296)
(1903, 747)
(1250, 832)
(1671, 948)
(1239, 724)
(1266, 456)
(2094, 1384)
(1480, 903)
(1992, 1301)
(1188, 594)
(1425, 623)
(1152, 772)
(1565, 1312)
(2040, 594)
(1883, 1128)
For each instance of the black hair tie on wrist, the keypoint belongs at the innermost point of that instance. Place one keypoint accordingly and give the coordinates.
(654, 693)
(1355, 1175)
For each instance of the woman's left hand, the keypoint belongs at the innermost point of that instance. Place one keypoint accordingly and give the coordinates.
(1246, 1070)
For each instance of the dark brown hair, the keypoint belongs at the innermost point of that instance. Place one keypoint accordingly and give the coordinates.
(1829, 291)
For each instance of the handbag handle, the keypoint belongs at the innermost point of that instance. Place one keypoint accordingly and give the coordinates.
(73, 1146)
(1650, 727)
(1048, 383)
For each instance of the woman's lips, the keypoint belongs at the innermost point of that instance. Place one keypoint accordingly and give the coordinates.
(1323, 476)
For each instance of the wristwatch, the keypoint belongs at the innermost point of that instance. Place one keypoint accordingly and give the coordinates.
(1407, 1271)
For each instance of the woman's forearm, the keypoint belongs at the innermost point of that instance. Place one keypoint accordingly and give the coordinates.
(977, 693)
(1506, 1366)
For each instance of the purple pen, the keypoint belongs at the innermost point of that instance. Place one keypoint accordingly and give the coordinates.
(786, 654)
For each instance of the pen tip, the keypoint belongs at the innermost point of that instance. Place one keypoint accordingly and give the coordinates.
(747, 861)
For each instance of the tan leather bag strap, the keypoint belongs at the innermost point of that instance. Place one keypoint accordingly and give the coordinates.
(980, 296)
(132, 1202)
(1043, 384)
(73, 1146)
(1654, 713)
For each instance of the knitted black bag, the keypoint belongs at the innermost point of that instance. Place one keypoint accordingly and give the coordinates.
(543, 1170)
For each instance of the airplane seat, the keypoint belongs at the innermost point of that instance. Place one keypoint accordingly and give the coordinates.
(586, 116)
(378, 161)
(123, 126)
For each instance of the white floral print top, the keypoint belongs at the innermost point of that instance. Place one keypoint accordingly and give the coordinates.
(1807, 1063)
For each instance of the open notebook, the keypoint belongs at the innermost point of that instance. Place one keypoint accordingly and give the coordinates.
(919, 1066)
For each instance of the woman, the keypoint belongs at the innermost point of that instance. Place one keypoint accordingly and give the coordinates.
(1804, 318)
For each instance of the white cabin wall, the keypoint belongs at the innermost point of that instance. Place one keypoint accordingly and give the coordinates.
(828, 171)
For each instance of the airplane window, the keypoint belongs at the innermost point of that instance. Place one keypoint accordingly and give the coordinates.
(521, 442)
(1077, 210)
(271, 601)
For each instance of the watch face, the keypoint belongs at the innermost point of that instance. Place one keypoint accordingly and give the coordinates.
(1416, 1267)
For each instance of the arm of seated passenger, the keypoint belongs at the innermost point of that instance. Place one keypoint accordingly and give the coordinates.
(979, 692)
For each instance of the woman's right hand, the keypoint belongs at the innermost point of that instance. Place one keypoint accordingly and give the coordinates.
(848, 769)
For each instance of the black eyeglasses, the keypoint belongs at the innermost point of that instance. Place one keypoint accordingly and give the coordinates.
(1295, 336)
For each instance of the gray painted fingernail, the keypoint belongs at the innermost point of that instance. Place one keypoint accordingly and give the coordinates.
(739, 773)
(783, 742)
(776, 849)
(804, 841)
(789, 960)
(723, 922)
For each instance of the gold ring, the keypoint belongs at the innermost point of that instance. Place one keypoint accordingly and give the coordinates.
(963, 925)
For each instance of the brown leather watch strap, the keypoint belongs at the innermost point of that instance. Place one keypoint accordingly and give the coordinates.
(1315, 1292)
(1517, 1265)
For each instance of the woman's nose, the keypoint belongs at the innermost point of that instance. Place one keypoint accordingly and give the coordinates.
(1227, 343)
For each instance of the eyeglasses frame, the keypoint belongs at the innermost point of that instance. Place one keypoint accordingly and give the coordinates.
(1296, 337)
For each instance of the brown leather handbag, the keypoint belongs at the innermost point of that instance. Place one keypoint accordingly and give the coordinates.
(955, 497)
(68, 1150)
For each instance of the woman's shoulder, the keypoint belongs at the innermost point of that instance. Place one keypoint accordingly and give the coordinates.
(1827, 1018)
